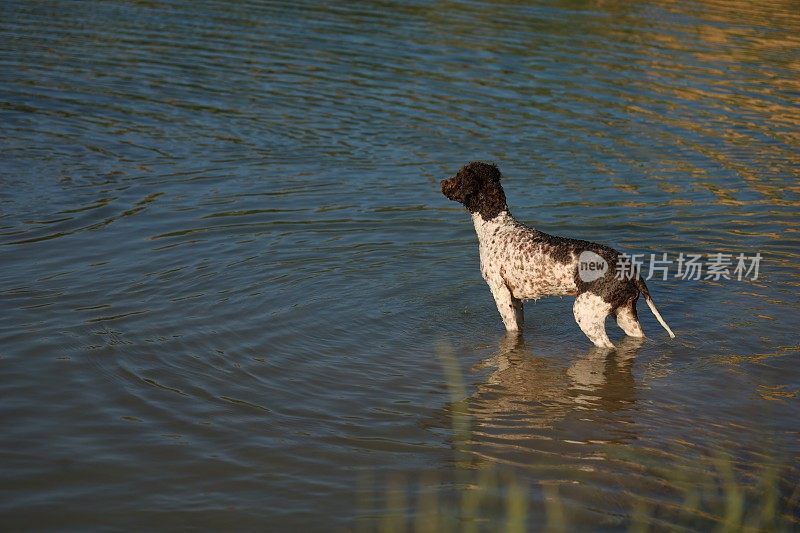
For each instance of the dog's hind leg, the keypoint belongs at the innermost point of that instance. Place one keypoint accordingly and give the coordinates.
(628, 320)
(590, 313)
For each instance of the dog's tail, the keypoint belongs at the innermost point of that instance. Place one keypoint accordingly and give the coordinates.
(651, 304)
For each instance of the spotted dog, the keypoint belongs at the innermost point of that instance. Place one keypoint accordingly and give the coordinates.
(521, 263)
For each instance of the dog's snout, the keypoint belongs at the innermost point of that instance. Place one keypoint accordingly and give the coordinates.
(447, 186)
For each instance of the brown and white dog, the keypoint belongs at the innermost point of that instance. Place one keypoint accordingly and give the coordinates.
(521, 263)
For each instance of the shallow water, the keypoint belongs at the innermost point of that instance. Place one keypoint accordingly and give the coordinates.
(227, 266)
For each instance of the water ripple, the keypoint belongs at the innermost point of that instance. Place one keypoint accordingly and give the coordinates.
(226, 261)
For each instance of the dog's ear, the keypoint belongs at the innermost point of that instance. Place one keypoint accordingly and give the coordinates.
(485, 171)
(491, 171)
(497, 173)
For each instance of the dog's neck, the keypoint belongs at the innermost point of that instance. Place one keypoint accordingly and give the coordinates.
(486, 229)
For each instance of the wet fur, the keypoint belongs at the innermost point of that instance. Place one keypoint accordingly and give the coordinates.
(521, 263)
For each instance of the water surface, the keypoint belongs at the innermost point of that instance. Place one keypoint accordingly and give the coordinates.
(226, 264)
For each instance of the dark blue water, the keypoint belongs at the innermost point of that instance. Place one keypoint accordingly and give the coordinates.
(226, 266)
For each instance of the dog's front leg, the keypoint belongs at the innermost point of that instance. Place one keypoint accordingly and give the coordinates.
(510, 308)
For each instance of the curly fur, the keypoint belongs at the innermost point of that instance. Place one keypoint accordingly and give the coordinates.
(521, 263)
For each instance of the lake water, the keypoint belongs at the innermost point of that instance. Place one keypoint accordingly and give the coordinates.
(227, 274)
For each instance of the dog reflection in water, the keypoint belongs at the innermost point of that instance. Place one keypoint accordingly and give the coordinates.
(523, 390)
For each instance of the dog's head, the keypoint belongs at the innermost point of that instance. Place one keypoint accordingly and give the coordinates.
(477, 186)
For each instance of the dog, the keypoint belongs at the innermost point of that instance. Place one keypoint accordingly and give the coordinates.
(521, 263)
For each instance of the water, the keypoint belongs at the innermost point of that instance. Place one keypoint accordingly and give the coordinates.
(226, 264)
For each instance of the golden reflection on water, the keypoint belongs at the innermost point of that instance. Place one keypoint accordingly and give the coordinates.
(723, 40)
(745, 122)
